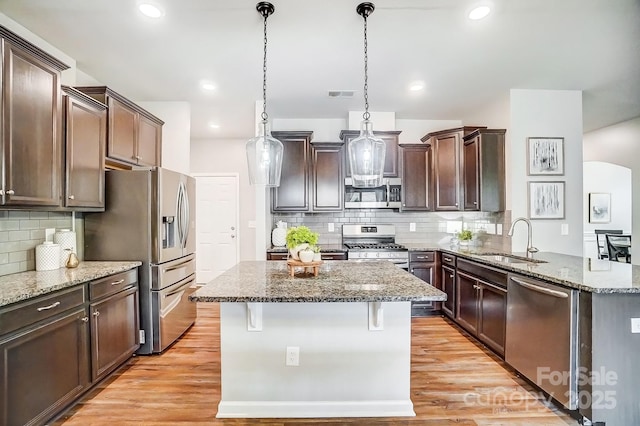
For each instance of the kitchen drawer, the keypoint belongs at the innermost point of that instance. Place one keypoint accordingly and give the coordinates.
(277, 256)
(486, 273)
(112, 284)
(422, 256)
(334, 256)
(40, 308)
(448, 259)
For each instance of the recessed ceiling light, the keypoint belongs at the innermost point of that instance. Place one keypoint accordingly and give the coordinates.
(150, 10)
(214, 125)
(207, 85)
(416, 86)
(479, 12)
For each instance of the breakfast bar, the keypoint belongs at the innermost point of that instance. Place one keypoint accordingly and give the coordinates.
(333, 345)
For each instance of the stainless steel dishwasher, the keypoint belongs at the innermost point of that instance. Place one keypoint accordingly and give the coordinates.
(541, 336)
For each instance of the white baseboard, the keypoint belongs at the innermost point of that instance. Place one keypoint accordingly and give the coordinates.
(314, 409)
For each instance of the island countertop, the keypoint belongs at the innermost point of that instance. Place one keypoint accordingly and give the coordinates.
(337, 281)
(26, 285)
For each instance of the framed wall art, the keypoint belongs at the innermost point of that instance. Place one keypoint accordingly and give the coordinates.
(546, 200)
(599, 207)
(545, 156)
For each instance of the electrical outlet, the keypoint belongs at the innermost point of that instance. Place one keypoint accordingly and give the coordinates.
(412, 227)
(635, 325)
(293, 356)
(331, 227)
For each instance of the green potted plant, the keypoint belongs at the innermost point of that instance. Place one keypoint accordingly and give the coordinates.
(465, 236)
(300, 238)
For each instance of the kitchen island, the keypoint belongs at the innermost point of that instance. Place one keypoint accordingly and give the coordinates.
(335, 345)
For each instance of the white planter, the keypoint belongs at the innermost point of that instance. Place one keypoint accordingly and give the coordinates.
(317, 257)
(294, 251)
(306, 255)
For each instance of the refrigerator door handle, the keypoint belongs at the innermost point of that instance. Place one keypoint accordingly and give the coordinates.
(179, 216)
(187, 216)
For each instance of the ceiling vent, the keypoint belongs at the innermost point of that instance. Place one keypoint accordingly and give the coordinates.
(341, 93)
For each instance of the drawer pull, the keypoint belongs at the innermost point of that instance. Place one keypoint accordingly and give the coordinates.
(118, 282)
(421, 257)
(51, 306)
(178, 266)
(448, 259)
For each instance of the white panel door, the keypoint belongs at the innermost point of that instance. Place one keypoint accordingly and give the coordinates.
(216, 225)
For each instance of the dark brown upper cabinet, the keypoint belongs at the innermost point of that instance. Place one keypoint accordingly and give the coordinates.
(483, 170)
(447, 163)
(134, 136)
(293, 193)
(390, 139)
(327, 176)
(30, 128)
(416, 166)
(85, 132)
(312, 176)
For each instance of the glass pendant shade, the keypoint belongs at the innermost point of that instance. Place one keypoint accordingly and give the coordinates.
(264, 156)
(366, 158)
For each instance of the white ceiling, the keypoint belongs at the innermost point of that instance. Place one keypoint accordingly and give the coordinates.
(317, 46)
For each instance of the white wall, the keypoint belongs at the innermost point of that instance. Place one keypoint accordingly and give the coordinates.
(229, 156)
(553, 113)
(620, 144)
(176, 133)
(612, 179)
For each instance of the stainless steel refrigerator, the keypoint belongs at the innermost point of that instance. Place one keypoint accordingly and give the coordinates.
(150, 217)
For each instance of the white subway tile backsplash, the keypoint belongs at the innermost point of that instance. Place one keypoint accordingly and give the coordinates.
(21, 232)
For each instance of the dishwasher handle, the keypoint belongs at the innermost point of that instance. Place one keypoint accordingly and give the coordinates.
(543, 290)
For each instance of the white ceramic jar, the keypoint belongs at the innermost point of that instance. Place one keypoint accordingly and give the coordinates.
(279, 234)
(66, 238)
(47, 256)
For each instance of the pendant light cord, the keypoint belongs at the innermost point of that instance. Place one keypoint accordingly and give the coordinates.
(366, 114)
(264, 73)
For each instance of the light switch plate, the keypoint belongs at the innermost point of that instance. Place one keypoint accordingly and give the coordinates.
(412, 227)
(564, 229)
(331, 227)
(635, 325)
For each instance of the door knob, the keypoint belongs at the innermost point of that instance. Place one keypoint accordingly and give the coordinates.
(233, 236)
(233, 228)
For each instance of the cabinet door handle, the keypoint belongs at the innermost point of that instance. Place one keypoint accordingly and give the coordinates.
(451, 276)
(477, 287)
(72, 197)
(10, 192)
(1, 192)
(96, 314)
(475, 203)
(118, 282)
(46, 308)
(84, 319)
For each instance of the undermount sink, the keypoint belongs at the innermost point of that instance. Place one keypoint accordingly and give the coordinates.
(506, 258)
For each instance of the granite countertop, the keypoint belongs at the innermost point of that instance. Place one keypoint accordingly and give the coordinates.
(581, 273)
(337, 281)
(26, 285)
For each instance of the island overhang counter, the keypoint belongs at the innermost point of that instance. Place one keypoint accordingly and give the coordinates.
(347, 329)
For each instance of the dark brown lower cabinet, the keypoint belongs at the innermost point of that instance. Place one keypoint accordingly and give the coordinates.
(44, 368)
(481, 309)
(422, 264)
(114, 331)
(448, 284)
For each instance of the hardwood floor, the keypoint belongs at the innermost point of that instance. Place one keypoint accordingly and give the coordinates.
(453, 382)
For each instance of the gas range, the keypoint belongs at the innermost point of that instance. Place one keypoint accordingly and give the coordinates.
(371, 242)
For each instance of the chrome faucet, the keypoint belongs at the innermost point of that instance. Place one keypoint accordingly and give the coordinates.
(530, 248)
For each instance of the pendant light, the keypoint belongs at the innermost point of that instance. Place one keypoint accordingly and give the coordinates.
(366, 152)
(264, 153)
